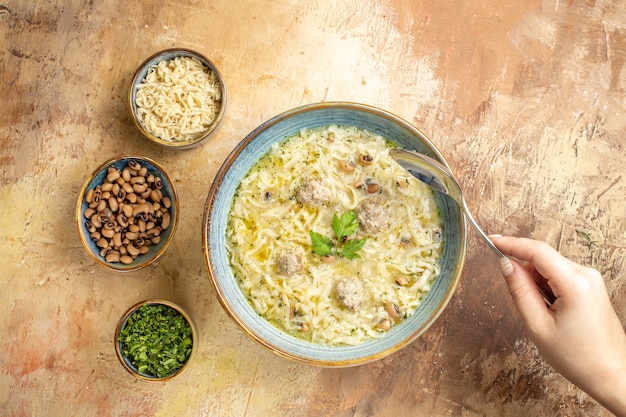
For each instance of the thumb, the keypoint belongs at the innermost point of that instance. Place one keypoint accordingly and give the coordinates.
(523, 289)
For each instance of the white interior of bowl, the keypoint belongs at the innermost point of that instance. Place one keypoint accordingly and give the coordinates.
(254, 146)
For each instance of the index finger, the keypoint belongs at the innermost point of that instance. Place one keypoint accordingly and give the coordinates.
(547, 261)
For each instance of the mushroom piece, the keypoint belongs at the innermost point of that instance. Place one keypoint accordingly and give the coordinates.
(349, 292)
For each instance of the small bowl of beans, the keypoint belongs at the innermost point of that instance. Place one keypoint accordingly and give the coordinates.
(155, 340)
(177, 98)
(127, 213)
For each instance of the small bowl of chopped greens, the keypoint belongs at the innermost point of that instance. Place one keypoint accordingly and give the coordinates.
(155, 340)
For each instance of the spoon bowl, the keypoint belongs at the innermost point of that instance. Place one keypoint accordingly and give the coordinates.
(439, 177)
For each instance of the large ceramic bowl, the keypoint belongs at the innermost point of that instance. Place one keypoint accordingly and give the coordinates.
(219, 201)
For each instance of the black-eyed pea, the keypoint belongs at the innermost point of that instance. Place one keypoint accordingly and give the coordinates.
(102, 243)
(392, 309)
(131, 197)
(90, 227)
(158, 183)
(126, 260)
(122, 220)
(107, 186)
(140, 208)
(165, 220)
(156, 240)
(139, 188)
(105, 251)
(366, 159)
(143, 171)
(128, 210)
(346, 165)
(117, 239)
(113, 204)
(138, 180)
(132, 235)
(95, 236)
(97, 195)
(384, 325)
(126, 174)
(89, 196)
(90, 211)
(123, 250)
(372, 186)
(127, 187)
(133, 228)
(108, 233)
(113, 174)
(144, 249)
(102, 204)
(142, 225)
(167, 202)
(132, 250)
(156, 196)
(134, 166)
(95, 221)
(112, 257)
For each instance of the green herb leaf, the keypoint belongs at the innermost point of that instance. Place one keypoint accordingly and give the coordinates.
(345, 225)
(321, 244)
(351, 248)
(157, 340)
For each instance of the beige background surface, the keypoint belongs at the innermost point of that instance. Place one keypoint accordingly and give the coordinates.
(524, 98)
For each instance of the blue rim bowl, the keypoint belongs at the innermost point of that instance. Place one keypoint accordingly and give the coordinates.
(98, 176)
(219, 201)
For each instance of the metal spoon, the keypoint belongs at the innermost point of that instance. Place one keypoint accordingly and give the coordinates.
(439, 177)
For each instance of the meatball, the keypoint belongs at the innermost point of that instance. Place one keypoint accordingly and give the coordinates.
(372, 215)
(349, 292)
(314, 192)
(289, 262)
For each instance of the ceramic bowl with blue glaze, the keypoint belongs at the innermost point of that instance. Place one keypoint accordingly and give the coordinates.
(140, 75)
(218, 205)
(157, 246)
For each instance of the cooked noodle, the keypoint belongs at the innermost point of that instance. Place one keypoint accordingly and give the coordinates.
(266, 219)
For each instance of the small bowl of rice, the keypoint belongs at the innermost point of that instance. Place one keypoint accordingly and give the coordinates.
(177, 98)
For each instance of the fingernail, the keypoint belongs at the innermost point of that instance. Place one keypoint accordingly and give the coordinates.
(507, 266)
(494, 236)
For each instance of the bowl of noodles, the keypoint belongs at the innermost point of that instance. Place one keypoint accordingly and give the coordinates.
(177, 98)
(320, 246)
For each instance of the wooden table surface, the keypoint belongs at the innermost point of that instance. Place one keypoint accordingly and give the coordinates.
(526, 100)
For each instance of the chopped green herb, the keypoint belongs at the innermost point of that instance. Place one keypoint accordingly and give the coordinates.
(157, 340)
(341, 245)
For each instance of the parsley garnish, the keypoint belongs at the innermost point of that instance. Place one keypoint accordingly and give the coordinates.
(340, 245)
(157, 340)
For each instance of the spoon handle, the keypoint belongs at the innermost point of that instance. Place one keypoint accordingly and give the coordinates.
(542, 286)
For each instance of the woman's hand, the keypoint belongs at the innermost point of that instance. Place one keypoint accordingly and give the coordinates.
(580, 335)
